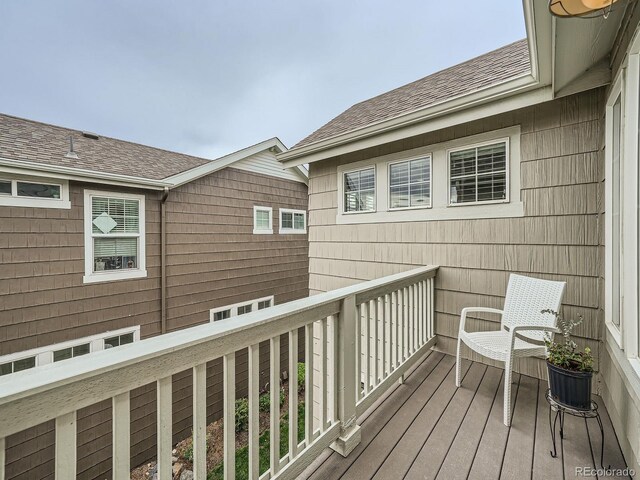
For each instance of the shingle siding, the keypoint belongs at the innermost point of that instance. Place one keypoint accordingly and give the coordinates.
(558, 237)
(213, 259)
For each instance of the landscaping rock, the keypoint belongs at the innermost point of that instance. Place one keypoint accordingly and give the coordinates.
(177, 469)
(186, 475)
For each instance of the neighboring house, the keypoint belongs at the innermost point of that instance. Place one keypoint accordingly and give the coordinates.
(504, 163)
(105, 242)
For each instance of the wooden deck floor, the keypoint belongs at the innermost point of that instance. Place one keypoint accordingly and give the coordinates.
(427, 428)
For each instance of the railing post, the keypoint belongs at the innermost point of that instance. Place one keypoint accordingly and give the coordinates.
(348, 378)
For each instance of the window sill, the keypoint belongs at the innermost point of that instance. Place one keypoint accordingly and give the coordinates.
(262, 232)
(614, 333)
(462, 212)
(291, 231)
(112, 277)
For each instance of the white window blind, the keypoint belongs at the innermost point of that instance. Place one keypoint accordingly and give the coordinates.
(410, 183)
(116, 231)
(360, 190)
(478, 174)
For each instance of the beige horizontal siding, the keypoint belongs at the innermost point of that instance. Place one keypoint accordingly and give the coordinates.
(559, 237)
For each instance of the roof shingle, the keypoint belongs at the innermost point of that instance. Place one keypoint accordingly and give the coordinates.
(481, 72)
(31, 141)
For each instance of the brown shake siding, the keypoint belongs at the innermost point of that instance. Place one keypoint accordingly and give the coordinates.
(213, 259)
(557, 238)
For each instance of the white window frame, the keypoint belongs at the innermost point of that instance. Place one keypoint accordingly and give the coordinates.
(44, 355)
(408, 161)
(617, 91)
(234, 307)
(112, 275)
(13, 200)
(341, 191)
(292, 230)
(264, 231)
(440, 209)
(504, 140)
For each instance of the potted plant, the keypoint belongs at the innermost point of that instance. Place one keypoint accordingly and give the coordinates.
(570, 369)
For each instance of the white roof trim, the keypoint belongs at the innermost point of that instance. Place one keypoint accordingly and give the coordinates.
(22, 167)
(228, 160)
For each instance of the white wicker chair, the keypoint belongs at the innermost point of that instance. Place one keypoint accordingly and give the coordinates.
(522, 328)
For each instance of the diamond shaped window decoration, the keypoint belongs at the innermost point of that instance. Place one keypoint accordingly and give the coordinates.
(104, 222)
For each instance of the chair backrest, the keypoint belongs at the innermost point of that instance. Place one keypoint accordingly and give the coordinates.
(526, 298)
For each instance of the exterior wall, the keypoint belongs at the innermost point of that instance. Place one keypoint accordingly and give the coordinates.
(213, 259)
(557, 238)
(620, 384)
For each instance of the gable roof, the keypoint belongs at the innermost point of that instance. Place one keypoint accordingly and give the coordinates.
(478, 73)
(43, 147)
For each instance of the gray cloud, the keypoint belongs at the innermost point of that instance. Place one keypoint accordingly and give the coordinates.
(210, 77)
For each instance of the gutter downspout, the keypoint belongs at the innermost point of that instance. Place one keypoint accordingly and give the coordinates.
(163, 261)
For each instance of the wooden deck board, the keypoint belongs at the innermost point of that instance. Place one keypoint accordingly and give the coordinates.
(428, 428)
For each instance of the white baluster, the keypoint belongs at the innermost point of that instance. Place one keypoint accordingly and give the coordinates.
(65, 462)
(121, 418)
(274, 420)
(293, 394)
(254, 412)
(200, 421)
(229, 415)
(164, 427)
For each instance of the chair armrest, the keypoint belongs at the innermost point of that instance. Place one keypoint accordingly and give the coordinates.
(538, 328)
(466, 310)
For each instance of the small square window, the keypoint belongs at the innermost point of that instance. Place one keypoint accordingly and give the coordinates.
(244, 309)
(221, 315)
(264, 304)
(118, 340)
(262, 220)
(5, 187)
(293, 221)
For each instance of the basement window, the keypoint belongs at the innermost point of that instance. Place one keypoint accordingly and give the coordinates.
(114, 236)
(17, 365)
(242, 308)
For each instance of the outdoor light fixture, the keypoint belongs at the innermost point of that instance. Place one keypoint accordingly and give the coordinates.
(581, 8)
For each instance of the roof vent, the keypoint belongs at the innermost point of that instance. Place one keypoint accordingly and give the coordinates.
(71, 153)
(91, 135)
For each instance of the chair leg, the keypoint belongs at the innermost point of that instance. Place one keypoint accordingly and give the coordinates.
(458, 366)
(507, 391)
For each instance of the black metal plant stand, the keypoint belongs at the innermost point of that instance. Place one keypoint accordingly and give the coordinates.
(561, 410)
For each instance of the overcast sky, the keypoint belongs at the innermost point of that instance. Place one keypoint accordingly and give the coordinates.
(211, 77)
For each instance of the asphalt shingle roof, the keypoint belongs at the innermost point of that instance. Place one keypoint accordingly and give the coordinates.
(31, 141)
(481, 72)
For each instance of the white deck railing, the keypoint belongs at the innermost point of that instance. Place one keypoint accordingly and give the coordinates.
(371, 333)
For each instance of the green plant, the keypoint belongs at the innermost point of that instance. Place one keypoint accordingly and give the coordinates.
(242, 414)
(566, 354)
(188, 453)
(301, 376)
(264, 401)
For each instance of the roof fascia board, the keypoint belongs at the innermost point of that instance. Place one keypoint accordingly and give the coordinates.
(539, 25)
(509, 87)
(436, 122)
(222, 162)
(78, 174)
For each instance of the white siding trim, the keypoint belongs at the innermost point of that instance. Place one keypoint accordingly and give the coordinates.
(89, 275)
(265, 163)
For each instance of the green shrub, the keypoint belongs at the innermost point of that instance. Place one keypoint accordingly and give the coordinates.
(188, 453)
(301, 376)
(264, 401)
(242, 414)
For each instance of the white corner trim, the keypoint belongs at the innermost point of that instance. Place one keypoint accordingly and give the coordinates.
(263, 231)
(287, 231)
(439, 208)
(13, 200)
(107, 276)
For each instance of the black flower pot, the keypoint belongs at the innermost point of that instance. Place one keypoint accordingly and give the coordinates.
(570, 388)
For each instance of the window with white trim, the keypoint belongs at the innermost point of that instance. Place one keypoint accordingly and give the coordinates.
(410, 183)
(34, 192)
(293, 221)
(479, 174)
(359, 190)
(114, 236)
(228, 311)
(262, 220)
(58, 352)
